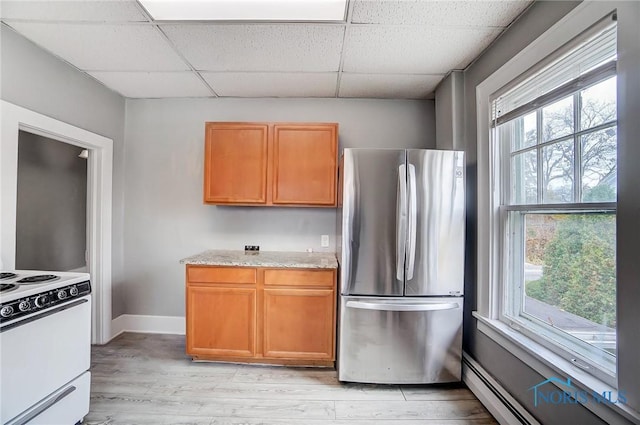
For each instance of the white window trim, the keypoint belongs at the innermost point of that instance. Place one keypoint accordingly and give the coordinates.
(489, 261)
(603, 365)
(548, 364)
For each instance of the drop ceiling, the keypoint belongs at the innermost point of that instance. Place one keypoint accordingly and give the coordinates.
(398, 49)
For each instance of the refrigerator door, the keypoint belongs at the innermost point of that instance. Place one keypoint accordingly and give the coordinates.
(374, 222)
(400, 340)
(435, 252)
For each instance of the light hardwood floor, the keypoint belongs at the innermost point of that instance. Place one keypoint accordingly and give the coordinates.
(147, 379)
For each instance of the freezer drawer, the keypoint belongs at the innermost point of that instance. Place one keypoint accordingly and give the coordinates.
(400, 340)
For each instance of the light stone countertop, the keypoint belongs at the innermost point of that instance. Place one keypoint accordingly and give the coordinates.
(282, 259)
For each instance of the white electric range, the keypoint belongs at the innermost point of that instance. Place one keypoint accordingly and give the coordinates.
(45, 347)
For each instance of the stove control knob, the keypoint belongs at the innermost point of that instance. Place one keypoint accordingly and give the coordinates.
(41, 301)
(62, 294)
(73, 291)
(6, 311)
(24, 305)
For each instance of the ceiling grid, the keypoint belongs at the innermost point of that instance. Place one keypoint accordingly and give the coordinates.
(382, 49)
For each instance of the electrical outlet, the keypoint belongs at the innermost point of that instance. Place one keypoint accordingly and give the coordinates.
(324, 241)
(252, 247)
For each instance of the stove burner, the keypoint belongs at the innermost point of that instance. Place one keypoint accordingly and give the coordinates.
(38, 278)
(6, 287)
(7, 275)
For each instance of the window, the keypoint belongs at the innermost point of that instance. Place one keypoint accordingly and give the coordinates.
(555, 138)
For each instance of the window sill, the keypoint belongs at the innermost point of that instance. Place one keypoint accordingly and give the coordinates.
(548, 364)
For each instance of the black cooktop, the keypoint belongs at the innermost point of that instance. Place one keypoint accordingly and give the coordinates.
(37, 278)
(7, 275)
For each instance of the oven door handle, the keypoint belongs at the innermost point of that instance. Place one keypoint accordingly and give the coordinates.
(42, 314)
(44, 406)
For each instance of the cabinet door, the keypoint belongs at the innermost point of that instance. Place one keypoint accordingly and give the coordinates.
(304, 164)
(299, 323)
(235, 167)
(221, 321)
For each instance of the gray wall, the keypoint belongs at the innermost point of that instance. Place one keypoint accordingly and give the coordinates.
(51, 205)
(165, 218)
(511, 372)
(450, 112)
(36, 80)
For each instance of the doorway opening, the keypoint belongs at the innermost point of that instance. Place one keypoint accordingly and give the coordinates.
(51, 206)
(15, 120)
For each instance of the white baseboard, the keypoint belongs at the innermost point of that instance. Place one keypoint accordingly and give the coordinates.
(493, 396)
(147, 324)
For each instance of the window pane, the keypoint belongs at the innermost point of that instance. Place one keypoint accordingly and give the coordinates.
(570, 274)
(525, 132)
(557, 173)
(598, 104)
(524, 180)
(557, 119)
(599, 171)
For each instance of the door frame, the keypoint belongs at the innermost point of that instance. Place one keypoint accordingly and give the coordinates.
(99, 196)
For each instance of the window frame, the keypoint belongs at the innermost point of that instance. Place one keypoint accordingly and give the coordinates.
(548, 46)
(511, 216)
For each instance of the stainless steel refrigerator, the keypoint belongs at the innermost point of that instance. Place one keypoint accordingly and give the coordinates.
(401, 255)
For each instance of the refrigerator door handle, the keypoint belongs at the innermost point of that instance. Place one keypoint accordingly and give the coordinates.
(413, 221)
(383, 306)
(349, 186)
(401, 222)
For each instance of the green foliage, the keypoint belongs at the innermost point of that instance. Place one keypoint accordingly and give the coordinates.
(579, 274)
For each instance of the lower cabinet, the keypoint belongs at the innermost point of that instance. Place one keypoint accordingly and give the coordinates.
(298, 323)
(221, 321)
(283, 316)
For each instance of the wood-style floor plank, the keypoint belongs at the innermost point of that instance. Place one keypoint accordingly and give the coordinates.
(147, 379)
(440, 409)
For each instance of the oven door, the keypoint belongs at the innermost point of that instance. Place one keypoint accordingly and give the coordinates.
(42, 353)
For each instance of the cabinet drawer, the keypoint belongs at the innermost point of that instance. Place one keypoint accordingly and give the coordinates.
(221, 275)
(303, 278)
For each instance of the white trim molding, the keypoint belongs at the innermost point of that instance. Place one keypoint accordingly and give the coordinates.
(548, 364)
(581, 18)
(148, 324)
(504, 408)
(99, 194)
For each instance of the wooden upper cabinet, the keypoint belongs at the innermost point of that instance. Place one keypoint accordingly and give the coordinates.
(235, 166)
(304, 164)
(271, 164)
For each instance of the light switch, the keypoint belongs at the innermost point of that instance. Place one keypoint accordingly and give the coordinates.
(324, 241)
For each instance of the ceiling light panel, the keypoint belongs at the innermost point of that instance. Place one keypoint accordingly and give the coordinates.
(274, 84)
(259, 47)
(107, 47)
(413, 49)
(154, 84)
(72, 10)
(440, 13)
(388, 86)
(246, 10)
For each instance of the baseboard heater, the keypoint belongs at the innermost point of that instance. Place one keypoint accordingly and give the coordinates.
(493, 396)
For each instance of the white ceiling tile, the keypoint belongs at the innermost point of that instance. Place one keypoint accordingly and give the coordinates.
(261, 84)
(263, 47)
(388, 86)
(413, 50)
(421, 12)
(154, 84)
(72, 10)
(105, 47)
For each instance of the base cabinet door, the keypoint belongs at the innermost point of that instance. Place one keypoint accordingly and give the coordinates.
(221, 321)
(298, 323)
